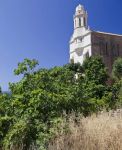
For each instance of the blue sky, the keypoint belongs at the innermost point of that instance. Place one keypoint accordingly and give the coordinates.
(41, 29)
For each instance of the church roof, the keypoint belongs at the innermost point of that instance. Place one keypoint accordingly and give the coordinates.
(107, 33)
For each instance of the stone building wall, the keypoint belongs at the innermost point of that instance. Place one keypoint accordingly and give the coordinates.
(109, 46)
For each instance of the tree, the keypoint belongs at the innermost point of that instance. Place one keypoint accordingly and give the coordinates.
(30, 114)
(39, 98)
(26, 67)
(116, 89)
(95, 77)
(91, 86)
(94, 70)
(117, 69)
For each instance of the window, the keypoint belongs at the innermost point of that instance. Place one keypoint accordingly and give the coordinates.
(81, 39)
(84, 21)
(79, 22)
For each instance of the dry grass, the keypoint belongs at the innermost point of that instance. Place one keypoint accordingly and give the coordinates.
(101, 132)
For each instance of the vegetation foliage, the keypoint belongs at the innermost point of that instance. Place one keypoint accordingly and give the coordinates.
(96, 132)
(32, 111)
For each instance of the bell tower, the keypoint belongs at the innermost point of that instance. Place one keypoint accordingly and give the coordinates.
(80, 42)
(80, 17)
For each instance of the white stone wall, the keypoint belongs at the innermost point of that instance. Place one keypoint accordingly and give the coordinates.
(80, 46)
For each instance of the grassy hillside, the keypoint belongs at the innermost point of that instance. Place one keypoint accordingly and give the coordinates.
(101, 132)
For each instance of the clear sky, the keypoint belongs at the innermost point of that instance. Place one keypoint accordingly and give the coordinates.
(41, 29)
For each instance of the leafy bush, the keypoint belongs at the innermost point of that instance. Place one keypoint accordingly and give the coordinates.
(30, 114)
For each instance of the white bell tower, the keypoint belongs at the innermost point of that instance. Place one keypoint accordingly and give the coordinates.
(80, 17)
(80, 42)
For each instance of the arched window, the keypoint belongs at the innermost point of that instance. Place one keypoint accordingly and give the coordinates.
(84, 21)
(79, 22)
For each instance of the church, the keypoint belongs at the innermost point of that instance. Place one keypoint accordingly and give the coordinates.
(85, 42)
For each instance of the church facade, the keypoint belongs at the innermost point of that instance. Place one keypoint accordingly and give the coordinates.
(85, 42)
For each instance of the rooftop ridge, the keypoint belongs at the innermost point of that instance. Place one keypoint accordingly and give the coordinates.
(107, 33)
